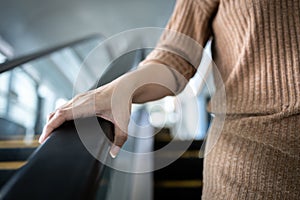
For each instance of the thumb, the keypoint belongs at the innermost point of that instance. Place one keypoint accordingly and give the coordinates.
(119, 140)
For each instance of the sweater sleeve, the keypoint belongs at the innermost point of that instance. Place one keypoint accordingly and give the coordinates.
(180, 46)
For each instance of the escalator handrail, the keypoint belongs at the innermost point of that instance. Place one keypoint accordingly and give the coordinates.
(10, 64)
(61, 168)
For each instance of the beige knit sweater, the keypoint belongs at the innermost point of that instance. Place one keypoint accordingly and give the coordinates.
(256, 47)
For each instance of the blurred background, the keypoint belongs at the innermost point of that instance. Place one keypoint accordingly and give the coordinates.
(32, 25)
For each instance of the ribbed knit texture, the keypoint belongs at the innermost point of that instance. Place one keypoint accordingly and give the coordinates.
(256, 47)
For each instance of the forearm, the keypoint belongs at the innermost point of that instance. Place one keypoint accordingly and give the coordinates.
(151, 82)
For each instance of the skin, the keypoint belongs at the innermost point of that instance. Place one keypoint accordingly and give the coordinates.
(113, 101)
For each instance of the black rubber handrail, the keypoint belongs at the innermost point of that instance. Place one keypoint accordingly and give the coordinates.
(10, 64)
(61, 168)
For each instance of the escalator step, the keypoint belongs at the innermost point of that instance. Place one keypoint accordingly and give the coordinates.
(177, 193)
(183, 168)
(179, 184)
(172, 154)
(178, 189)
(8, 169)
(193, 145)
(18, 144)
(12, 154)
(12, 165)
(17, 150)
(182, 179)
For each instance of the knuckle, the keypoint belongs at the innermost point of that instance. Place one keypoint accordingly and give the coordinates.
(60, 113)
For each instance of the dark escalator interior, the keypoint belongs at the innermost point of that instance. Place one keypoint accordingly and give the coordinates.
(182, 179)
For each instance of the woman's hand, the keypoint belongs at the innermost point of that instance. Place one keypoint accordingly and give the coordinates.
(113, 101)
(107, 102)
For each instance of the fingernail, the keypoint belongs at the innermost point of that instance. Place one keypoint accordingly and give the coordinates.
(41, 139)
(114, 151)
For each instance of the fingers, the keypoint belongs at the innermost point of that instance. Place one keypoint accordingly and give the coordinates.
(119, 140)
(85, 105)
(80, 106)
(50, 115)
(57, 119)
